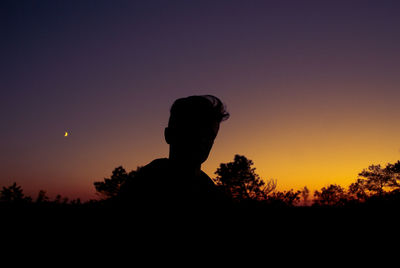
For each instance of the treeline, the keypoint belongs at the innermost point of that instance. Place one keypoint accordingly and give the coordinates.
(13, 196)
(238, 180)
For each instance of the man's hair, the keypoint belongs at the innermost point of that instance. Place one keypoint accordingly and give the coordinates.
(193, 108)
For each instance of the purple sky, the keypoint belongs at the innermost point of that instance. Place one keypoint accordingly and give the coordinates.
(108, 71)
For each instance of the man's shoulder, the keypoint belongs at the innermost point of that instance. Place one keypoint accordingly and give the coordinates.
(156, 164)
(146, 177)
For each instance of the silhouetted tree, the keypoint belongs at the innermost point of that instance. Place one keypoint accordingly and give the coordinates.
(57, 200)
(65, 200)
(76, 202)
(42, 197)
(358, 191)
(240, 181)
(305, 193)
(394, 169)
(333, 195)
(13, 194)
(377, 179)
(283, 199)
(110, 187)
(377, 185)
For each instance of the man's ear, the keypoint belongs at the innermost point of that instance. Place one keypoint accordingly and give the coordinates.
(167, 135)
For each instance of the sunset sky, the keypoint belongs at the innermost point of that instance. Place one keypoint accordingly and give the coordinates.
(313, 87)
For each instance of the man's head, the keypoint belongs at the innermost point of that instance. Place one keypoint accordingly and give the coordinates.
(192, 127)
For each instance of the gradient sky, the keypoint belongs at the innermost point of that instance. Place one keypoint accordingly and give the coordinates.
(313, 87)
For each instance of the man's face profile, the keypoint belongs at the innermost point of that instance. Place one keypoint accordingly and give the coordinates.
(192, 141)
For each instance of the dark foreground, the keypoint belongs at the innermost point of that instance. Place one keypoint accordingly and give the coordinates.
(280, 218)
(273, 234)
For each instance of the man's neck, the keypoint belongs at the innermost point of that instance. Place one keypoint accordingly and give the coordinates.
(185, 168)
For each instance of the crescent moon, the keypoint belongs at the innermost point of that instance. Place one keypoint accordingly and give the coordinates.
(66, 134)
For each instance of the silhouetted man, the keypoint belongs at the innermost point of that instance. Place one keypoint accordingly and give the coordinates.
(178, 181)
